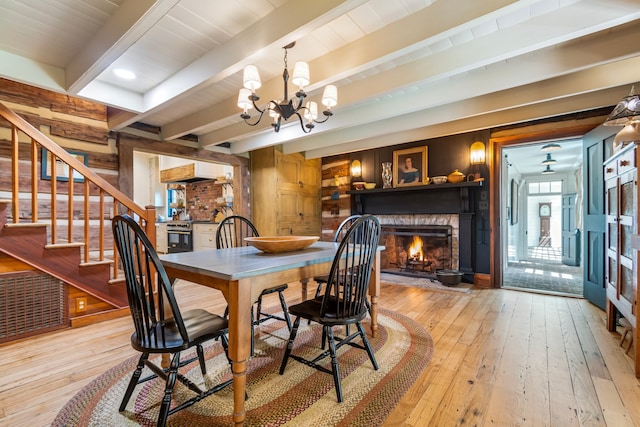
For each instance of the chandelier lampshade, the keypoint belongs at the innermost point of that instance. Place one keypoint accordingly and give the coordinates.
(301, 75)
(330, 96)
(287, 107)
(251, 78)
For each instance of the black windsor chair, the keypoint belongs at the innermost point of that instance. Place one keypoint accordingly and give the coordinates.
(230, 234)
(344, 300)
(337, 237)
(160, 326)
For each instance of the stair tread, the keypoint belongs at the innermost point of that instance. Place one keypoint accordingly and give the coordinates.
(91, 263)
(64, 245)
(25, 224)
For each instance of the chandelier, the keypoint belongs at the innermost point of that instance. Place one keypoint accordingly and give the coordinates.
(285, 108)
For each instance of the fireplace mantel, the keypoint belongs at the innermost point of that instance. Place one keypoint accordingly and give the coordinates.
(427, 199)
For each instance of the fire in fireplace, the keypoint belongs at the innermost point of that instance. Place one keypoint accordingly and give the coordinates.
(416, 250)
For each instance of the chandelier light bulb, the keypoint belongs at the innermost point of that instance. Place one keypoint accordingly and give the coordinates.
(251, 78)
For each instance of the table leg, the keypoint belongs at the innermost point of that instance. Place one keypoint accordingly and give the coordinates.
(304, 283)
(374, 291)
(239, 343)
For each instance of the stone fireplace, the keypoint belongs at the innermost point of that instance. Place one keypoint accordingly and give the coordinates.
(413, 210)
(419, 244)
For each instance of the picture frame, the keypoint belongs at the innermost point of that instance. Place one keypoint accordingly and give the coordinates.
(62, 169)
(417, 158)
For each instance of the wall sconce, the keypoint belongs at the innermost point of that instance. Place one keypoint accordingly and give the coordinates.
(477, 153)
(356, 168)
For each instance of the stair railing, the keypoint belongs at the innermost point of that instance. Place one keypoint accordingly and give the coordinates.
(65, 169)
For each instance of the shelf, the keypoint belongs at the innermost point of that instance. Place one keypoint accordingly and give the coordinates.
(428, 187)
(225, 183)
(428, 199)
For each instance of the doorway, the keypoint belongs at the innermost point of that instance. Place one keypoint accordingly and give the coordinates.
(540, 199)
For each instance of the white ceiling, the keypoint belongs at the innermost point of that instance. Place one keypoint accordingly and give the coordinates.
(405, 69)
(526, 160)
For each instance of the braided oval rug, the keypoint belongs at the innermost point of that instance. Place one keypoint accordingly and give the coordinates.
(302, 396)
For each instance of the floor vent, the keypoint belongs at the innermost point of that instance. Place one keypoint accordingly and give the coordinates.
(31, 303)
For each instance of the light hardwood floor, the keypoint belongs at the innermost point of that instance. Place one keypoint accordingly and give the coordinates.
(502, 358)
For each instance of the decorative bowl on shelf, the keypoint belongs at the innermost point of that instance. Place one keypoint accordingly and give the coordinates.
(359, 185)
(370, 185)
(456, 176)
(275, 244)
(439, 179)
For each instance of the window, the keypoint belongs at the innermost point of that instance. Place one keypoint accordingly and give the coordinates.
(545, 187)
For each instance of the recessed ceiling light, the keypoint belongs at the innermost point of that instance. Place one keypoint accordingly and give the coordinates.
(124, 74)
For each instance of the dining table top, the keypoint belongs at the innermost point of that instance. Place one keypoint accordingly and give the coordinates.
(247, 261)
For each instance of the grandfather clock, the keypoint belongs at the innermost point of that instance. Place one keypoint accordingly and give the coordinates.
(544, 212)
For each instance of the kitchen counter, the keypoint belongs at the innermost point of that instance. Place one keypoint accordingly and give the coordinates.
(192, 222)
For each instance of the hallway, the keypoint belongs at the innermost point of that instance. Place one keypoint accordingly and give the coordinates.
(543, 271)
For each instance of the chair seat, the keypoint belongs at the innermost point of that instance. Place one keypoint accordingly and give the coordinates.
(279, 288)
(311, 310)
(201, 326)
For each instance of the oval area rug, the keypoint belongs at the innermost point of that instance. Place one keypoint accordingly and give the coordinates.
(302, 396)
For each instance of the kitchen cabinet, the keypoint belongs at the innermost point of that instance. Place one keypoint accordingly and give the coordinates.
(620, 172)
(286, 193)
(204, 236)
(162, 243)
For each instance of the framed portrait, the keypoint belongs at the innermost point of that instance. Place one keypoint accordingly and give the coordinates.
(410, 166)
(62, 169)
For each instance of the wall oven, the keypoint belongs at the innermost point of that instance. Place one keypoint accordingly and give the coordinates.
(179, 237)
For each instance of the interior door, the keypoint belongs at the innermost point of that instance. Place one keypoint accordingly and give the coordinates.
(570, 235)
(594, 149)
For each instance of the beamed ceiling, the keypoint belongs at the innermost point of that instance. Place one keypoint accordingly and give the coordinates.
(405, 69)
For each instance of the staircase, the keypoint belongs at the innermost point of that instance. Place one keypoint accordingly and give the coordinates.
(73, 245)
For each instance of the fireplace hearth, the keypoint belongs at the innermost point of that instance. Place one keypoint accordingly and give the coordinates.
(416, 250)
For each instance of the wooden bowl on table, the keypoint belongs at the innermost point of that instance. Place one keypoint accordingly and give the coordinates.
(276, 244)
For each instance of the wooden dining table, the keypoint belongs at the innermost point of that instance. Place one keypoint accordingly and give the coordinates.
(241, 274)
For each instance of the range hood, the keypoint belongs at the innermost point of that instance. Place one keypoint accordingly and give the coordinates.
(192, 172)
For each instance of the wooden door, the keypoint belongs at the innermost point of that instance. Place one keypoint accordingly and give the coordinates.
(594, 147)
(570, 235)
